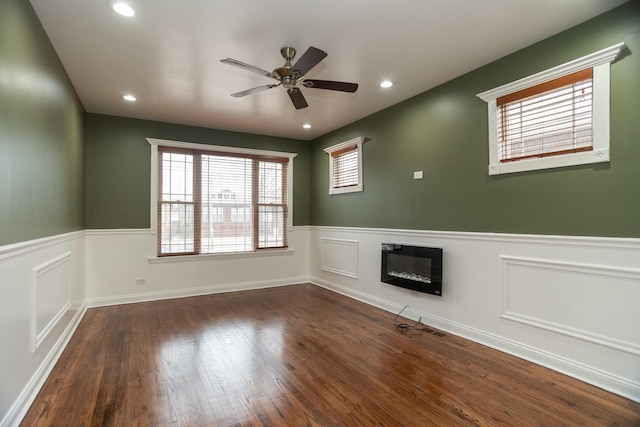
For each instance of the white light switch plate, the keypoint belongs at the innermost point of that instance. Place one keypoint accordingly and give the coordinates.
(417, 175)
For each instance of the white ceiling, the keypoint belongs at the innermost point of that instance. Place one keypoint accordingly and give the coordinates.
(169, 53)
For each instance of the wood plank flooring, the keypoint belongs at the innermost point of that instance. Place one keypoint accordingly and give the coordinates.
(298, 356)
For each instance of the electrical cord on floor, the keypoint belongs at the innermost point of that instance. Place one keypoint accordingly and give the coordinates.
(405, 326)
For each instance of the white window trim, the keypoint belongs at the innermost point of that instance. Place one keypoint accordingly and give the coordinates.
(155, 143)
(355, 142)
(600, 62)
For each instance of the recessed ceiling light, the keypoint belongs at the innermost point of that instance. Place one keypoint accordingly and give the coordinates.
(306, 126)
(129, 97)
(386, 83)
(122, 8)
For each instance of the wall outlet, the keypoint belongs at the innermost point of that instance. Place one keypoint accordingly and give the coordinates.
(141, 281)
(417, 175)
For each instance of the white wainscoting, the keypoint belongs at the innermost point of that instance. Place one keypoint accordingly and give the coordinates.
(535, 293)
(340, 256)
(41, 304)
(51, 296)
(568, 303)
(119, 259)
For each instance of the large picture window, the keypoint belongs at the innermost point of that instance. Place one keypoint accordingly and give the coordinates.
(218, 202)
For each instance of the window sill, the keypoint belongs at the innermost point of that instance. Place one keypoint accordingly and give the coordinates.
(344, 190)
(211, 257)
(574, 159)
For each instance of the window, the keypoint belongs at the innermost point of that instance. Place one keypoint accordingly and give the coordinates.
(213, 200)
(345, 166)
(552, 118)
(559, 117)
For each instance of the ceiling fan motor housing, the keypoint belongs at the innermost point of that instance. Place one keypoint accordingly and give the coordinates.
(285, 74)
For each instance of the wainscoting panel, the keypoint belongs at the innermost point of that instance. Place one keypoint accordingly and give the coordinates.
(569, 303)
(536, 292)
(122, 268)
(42, 288)
(340, 256)
(51, 296)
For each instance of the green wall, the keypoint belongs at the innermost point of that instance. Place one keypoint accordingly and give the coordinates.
(46, 140)
(41, 133)
(119, 168)
(443, 132)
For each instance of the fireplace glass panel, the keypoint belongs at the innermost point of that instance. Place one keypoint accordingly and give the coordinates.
(409, 267)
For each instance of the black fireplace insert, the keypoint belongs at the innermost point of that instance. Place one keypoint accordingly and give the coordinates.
(412, 267)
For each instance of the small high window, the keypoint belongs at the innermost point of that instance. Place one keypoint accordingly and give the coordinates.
(559, 117)
(345, 166)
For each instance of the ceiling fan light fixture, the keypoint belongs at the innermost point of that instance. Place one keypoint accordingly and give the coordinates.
(122, 8)
(386, 83)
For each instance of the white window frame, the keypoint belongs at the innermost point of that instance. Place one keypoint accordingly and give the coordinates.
(153, 209)
(357, 143)
(600, 62)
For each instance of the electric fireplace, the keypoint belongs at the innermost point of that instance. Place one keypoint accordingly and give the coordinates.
(412, 267)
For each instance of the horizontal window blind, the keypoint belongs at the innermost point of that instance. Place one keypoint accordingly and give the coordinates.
(226, 189)
(211, 202)
(345, 167)
(551, 118)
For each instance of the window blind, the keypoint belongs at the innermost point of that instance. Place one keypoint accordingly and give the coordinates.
(211, 202)
(548, 119)
(345, 167)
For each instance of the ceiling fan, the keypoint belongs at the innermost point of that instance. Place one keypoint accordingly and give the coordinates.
(292, 76)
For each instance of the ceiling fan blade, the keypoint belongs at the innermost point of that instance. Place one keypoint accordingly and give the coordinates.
(253, 90)
(328, 84)
(308, 60)
(247, 67)
(297, 98)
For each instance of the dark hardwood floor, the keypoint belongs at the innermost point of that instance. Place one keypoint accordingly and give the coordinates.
(298, 356)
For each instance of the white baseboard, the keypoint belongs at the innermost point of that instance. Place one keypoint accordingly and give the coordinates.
(191, 292)
(19, 409)
(621, 386)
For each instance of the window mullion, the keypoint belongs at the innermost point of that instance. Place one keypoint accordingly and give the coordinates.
(255, 199)
(159, 223)
(197, 203)
(285, 211)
